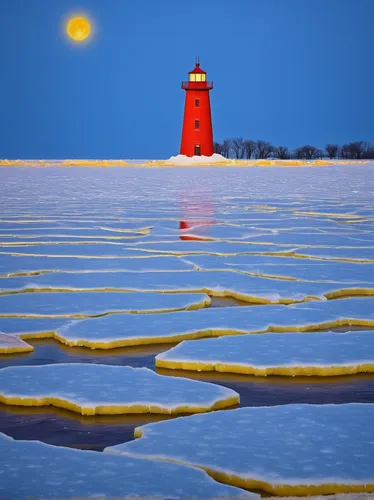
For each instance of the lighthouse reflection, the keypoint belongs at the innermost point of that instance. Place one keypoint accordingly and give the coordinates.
(197, 215)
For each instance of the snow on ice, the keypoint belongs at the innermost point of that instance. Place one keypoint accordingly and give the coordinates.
(10, 344)
(31, 469)
(112, 331)
(286, 450)
(86, 304)
(276, 354)
(287, 267)
(92, 389)
(249, 288)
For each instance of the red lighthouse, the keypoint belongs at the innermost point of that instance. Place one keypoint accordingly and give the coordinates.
(197, 134)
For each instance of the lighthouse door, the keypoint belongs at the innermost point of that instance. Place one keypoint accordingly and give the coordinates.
(197, 150)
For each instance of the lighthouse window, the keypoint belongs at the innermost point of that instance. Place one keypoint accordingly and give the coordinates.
(197, 124)
(198, 78)
(197, 103)
(192, 77)
(203, 78)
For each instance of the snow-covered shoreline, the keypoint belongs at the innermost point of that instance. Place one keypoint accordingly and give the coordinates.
(180, 161)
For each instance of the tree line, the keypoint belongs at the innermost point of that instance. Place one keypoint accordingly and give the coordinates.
(240, 148)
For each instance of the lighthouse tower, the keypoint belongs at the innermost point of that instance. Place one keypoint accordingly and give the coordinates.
(197, 134)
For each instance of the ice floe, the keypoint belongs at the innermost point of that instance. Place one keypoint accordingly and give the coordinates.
(92, 389)
(18, 265)
(240, 286)
(311, 240)
(337, 253)
(63, 233)
(205, 247)
(87, 304)
(10, 241)
(324, 354)
(97, 250)
(34, 327)
(113, 331)
(31, 469)
(10, 344)
(285, 450)
(287, 268)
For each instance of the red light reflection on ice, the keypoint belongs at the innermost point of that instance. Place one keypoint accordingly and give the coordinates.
(197, 211)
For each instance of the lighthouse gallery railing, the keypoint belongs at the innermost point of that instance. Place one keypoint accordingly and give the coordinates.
(197, 85)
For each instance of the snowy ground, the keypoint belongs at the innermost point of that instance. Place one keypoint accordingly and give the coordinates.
(87, 242)
(216, 160)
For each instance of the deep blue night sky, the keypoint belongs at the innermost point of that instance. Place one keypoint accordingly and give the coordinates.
(288, 71)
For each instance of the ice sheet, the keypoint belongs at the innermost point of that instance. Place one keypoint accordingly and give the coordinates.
(97, 250)
(10, 242)
(17, 326)
(59, 223)
(14, 264)
(291, 449)
(276, 354)
(113, 331)
(312, 240)
(250, 288)
(84, 304)
(92, 389)
(62, 233)
(332, 253)
(31, 469)
(202, 247)
(288, 267)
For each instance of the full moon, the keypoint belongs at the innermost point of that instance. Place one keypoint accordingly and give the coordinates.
(78, 28)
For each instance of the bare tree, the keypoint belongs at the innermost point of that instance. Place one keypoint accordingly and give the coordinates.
(249, 148)
(308, 152)
(263, 149)
(368, 151)
(299, 153)
(332, 150)
(217, 147)
(282, 152)
(226, 148)
(345, 152)
(237, 145)
(356, 149)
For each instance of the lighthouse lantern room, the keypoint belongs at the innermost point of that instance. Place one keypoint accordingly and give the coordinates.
(197, 134)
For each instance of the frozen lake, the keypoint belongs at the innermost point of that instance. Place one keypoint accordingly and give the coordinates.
(262, 238)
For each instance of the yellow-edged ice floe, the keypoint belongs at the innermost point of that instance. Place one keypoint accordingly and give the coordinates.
(285, 450)
(92, 389)
(322, 354)
(121, 330)
(31, 469)
(10, 344)
(219, 284)
(87, 304)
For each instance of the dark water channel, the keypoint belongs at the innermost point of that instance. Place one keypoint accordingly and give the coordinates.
(65, 428)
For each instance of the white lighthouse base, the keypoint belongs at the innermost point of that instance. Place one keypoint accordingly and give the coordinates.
(197, 160)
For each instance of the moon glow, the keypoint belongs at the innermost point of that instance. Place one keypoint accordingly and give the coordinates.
(78, 28)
